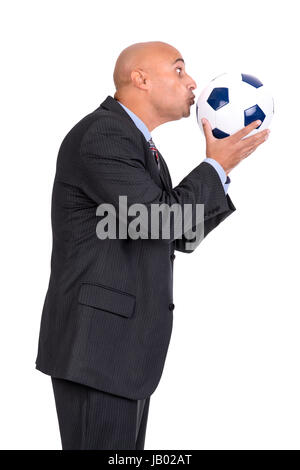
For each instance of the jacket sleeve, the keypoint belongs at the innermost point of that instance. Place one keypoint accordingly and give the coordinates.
(209, 225)
(112, 164)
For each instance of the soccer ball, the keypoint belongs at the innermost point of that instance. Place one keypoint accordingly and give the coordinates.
(233, 100)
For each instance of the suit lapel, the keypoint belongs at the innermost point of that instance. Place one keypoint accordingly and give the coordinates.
(162, 176)
(158, 175)
(164, 172)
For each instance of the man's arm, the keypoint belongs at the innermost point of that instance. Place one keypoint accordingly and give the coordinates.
(180, 244)
(209, 225)
(221, 172)
(112, 164)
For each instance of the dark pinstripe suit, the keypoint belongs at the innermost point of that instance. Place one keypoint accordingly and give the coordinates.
(108, 313)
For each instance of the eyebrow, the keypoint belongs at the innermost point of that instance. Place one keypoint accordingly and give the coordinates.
(178, 60)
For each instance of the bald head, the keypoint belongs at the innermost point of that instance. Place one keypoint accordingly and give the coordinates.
(141, 56)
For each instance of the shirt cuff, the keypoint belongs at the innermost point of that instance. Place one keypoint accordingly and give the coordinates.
(221, 172)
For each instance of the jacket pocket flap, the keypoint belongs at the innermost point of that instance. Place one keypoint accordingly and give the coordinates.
(106, 298)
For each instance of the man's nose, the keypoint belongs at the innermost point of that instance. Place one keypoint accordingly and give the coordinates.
(192, 84)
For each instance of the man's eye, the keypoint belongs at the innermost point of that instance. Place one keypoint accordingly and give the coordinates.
(178, 68)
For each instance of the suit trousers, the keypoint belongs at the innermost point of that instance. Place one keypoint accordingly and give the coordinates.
(91, 419)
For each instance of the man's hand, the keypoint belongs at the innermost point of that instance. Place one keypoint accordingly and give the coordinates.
(232, 149)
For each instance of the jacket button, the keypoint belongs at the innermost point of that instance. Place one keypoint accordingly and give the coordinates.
(173, 256)
(171, 306)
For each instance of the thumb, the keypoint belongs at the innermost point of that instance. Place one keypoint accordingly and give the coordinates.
(207, 129)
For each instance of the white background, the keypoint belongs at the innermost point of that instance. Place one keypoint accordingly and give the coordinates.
(231, 377)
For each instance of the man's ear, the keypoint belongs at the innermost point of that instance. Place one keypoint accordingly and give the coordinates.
(139, 78)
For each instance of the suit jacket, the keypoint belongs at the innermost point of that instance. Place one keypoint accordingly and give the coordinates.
(108, 312)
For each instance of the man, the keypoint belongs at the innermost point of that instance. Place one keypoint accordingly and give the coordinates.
(108, 313)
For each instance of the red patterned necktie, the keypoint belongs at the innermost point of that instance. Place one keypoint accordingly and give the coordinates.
(154, 152)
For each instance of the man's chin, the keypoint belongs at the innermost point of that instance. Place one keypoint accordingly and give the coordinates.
(187, 112)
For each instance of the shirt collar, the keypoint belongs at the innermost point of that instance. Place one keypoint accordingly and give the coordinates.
(138, 122)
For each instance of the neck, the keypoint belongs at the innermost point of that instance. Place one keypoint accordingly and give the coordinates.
(143, 110)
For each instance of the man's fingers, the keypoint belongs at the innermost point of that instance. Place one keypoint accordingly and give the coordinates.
(248, 150)
(207, 129)
(246, 130)
(256, 139)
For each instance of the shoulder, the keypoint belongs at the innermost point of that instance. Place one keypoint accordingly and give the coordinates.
(109, 132)
(104, 121)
